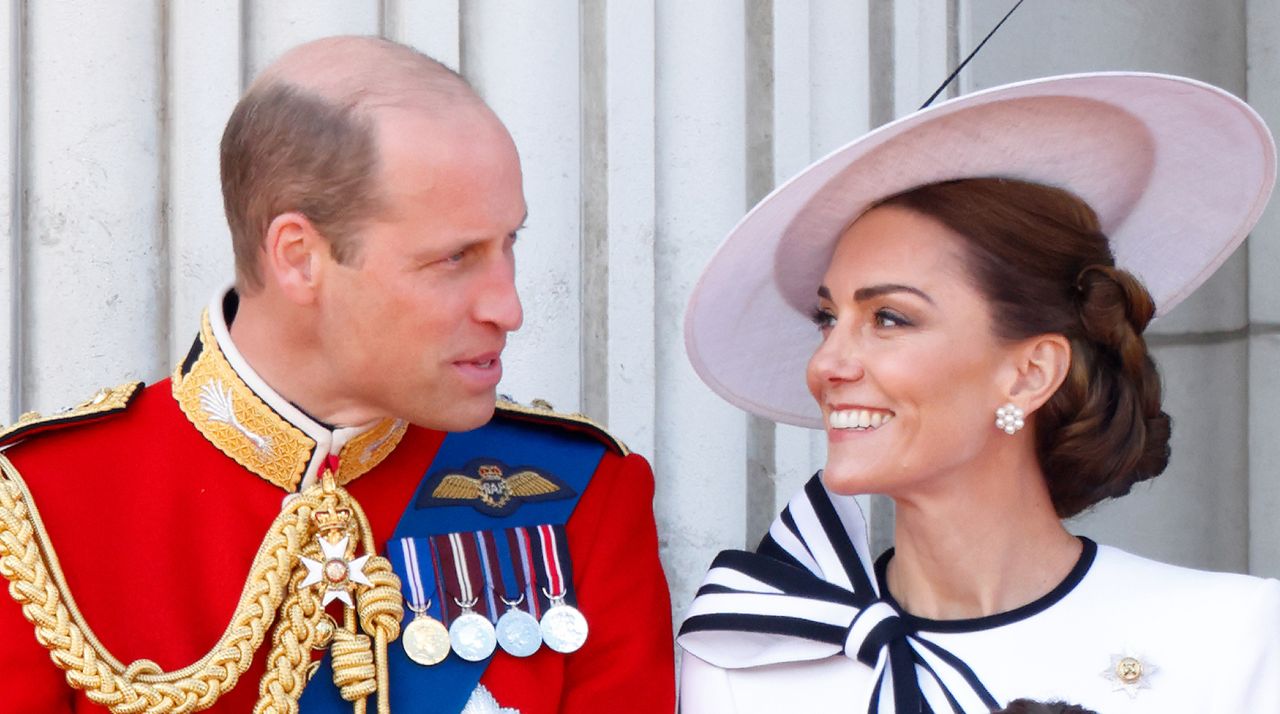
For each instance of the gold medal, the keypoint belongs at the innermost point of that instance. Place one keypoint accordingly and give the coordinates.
(425, 640)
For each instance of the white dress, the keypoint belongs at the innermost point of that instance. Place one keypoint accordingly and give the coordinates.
(1205, 642)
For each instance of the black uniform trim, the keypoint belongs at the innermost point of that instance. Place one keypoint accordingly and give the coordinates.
(575, 422)
(112, 401)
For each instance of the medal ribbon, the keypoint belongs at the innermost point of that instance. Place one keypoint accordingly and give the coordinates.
(503, 544)
(553, 548)
(415, 592)
(482, 544)
(466, 568)
(551, 559)
(528, 571)
(447, 606)
(460, 568)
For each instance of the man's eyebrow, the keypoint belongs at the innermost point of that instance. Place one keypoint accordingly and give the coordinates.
(864, 294)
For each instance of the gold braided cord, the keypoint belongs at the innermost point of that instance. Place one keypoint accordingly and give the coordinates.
(380, 612)
(36, 582)
(289, 662)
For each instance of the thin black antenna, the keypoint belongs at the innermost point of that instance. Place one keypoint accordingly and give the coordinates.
(956, 72)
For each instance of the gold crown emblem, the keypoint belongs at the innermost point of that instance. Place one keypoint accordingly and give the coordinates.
(331, 518)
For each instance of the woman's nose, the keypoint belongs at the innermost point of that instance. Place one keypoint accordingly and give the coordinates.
(837, 359)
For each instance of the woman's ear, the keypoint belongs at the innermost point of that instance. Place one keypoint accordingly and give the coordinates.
(293, 253)
(1040, 366)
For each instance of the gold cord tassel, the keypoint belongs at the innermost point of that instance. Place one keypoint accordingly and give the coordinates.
(353, 668)
(272, 593)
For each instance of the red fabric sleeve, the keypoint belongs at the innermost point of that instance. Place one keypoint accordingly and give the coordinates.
(628, 663)
(29, 681)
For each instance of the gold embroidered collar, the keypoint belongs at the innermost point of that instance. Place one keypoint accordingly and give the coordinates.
(251, 423)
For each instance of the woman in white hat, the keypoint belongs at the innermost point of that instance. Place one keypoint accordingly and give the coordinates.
(976, 274)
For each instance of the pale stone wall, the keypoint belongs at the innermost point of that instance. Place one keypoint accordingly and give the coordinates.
(647, 128)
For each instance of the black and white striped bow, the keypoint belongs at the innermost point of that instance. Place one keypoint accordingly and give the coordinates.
(809, 593)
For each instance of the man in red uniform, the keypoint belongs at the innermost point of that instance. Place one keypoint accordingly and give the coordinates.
(208, 542)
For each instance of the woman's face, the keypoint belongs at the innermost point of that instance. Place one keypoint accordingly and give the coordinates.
(908, 374)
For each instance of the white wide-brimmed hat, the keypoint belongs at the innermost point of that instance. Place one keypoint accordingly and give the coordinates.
(1178, 172)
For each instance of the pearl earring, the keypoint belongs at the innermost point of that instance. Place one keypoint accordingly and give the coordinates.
(1010, 418)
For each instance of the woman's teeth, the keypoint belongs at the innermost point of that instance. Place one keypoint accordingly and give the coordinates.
(858, 419)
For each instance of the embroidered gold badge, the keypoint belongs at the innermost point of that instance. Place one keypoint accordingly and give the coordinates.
(492, 491)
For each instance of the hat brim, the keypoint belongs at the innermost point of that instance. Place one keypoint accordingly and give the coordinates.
(1178, 172)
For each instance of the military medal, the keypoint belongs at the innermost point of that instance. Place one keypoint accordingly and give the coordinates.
(564, 629)
(517, 630)
(425, 639)
(471, 634)
(518, 633)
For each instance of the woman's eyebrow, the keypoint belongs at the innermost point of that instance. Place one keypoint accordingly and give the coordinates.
(864, 294)
(874, 291)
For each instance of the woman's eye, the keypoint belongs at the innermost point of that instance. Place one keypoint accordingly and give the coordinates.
(822, 318)
(456, 257)
(889, 318)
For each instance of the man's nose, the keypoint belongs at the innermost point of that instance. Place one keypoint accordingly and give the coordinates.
(498, 303)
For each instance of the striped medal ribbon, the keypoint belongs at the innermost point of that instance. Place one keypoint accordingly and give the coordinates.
(564, 629)
(518, 632)
(471, 634)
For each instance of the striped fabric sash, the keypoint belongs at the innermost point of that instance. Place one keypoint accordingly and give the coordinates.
(809, 593)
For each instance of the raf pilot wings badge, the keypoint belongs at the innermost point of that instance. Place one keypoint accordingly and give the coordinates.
(492, 488)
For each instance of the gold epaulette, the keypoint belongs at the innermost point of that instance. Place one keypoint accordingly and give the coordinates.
(541, 412)
(104, 403)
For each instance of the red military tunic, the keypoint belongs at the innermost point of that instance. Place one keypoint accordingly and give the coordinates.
(155, 514)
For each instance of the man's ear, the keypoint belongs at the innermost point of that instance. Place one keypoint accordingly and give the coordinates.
(294, 253)
(1040, 365)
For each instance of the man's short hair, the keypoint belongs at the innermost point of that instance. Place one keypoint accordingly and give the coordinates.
(286, 149)
(303, 139)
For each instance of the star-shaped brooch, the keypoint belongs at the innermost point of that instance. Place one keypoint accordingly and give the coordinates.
(336, 572)
(1129, 673)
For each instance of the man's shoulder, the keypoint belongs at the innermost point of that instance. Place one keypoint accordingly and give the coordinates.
(128, 418)
(540, 415)
(104, 404)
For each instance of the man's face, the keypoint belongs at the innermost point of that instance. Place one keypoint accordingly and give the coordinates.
(416, 324)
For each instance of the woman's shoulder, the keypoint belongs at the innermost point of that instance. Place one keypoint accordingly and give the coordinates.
(1175, 585)
(1227, 611)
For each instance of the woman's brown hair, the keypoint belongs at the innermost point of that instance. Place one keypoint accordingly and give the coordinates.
(1039, 257)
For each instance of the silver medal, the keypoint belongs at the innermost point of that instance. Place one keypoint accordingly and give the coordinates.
(564, 629)
(426, 640)
(518, 633)
(472, 636)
